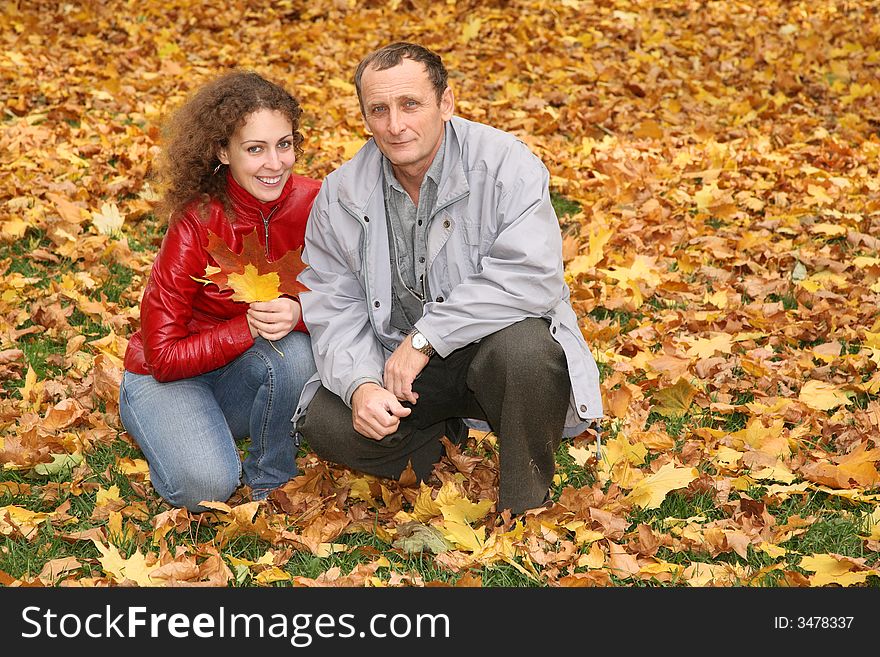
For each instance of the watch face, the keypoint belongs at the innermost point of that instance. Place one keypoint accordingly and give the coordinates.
(419, 341)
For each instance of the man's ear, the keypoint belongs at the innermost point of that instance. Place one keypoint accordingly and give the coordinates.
(447, 104)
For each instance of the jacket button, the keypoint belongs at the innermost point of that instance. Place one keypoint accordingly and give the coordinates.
(376, 304)
(446, 224)
(583, 409)
(439, 299)
(367, 219)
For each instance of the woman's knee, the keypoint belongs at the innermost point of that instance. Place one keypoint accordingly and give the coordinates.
(202, 484)
(289, 362)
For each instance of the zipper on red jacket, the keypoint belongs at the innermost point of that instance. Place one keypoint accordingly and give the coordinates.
(266, 228)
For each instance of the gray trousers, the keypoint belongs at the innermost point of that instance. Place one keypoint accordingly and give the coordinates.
(515, 379)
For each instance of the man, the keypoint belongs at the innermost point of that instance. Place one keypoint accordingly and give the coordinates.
(436, 292)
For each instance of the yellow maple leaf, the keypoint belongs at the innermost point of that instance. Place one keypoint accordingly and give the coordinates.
(471, 29)
(599, 236)
(464, 536)
(134, 468)
(134, 568)
(425, 507)
(108, 221)
(819, 195)
(831, 230)
(107, 495)
(831, 569)
(595, 558)
(18, 518)
(360, 490)
(252, 286)
(777, 472)
(822, 396)
(707, 196)
(13, 229)
(771, 550)
(727, 458)
(675, 400)
(641, 270)
(707, 347)
(650, 492)
(342, 85)
(272, 574)
(267, 559)
(717, 299)
(32, 391)
(769, 440)
(858, 465)
(579, 454)
(620, 449)
(457, 508)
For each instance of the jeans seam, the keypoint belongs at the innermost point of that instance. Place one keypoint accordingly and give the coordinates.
(153, 464)
(264, 419)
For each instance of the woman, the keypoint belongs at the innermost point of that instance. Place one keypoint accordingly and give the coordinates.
(204, 371)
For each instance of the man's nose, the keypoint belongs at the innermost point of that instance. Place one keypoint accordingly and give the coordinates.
(395, 122)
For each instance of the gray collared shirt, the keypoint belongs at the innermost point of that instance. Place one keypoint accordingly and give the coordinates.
(409, 224)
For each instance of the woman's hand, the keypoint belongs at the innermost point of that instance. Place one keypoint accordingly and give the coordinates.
(274, 319)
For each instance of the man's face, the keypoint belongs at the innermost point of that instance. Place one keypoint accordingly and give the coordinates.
(402, 112)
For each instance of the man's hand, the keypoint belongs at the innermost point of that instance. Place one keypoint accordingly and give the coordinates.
(402, 368)
(273, 319)
(376, 412)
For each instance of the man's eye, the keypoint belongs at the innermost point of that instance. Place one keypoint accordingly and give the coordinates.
(378, 110)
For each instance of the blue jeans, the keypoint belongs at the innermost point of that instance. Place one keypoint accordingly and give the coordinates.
(188, 428)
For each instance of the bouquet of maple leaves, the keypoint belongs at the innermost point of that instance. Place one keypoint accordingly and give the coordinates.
(249, 274)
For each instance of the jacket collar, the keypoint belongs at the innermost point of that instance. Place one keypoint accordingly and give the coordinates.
(361, 178)
(247, 206)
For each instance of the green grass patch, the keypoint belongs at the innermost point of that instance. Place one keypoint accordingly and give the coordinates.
(563, 206)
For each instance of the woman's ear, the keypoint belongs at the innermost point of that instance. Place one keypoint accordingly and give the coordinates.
(223, 156)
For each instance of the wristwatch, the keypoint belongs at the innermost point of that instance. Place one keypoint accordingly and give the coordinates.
(420, 343)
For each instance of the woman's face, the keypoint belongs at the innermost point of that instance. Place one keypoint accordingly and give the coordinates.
(260, 154)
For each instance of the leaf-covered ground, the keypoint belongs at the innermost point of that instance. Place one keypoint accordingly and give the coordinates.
(715, 166)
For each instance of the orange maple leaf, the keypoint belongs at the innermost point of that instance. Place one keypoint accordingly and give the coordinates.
(250, 274)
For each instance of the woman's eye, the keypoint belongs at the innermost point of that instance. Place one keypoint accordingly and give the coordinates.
(254, 149)
(285, 144)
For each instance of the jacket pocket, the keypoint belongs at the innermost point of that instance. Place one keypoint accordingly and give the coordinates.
(470, 231)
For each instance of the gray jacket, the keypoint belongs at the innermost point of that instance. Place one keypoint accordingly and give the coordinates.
(494, 258)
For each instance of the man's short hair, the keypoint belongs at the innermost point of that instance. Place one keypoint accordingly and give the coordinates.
(393, 54)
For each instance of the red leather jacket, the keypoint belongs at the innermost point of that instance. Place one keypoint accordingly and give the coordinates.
(187, 327)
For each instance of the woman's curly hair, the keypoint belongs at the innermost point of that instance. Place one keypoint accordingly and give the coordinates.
(196, 131)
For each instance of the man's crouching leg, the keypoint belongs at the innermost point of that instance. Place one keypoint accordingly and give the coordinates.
(328, 430)
(520, 377)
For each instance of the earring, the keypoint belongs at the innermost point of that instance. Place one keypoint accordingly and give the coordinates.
(216, 169)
